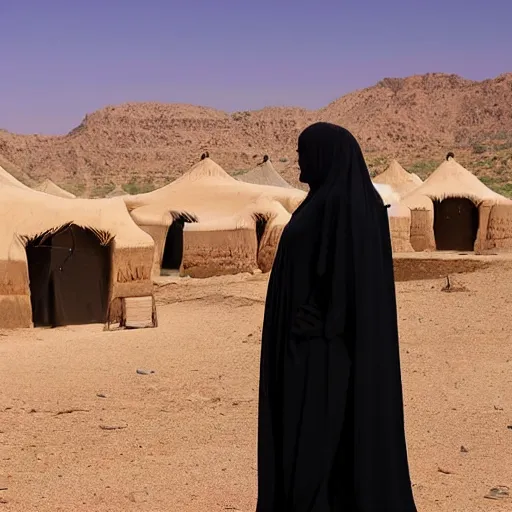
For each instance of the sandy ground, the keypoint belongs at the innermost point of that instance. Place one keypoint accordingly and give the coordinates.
(81, 430)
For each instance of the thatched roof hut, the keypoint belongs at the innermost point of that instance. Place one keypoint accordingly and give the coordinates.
(398, 178)
(49, 187)
(264, 174)
(66, 261)
(207, 208)
(454, 210)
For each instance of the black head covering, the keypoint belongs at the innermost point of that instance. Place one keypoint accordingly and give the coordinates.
(331, 424)
(328, 152)
(332, 164)
(320, 149)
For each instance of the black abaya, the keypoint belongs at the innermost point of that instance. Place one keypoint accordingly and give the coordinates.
(331, 426)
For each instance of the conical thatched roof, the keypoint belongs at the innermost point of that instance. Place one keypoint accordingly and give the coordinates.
(9, 179)
(48, 187)
(204, 169)
(397, 177)
(450, 179)
(117, 192)
(264, 174)
(207, 191)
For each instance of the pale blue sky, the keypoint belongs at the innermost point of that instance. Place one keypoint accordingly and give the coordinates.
(64, 58)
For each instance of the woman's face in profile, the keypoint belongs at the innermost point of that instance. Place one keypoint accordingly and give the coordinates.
(302, 165)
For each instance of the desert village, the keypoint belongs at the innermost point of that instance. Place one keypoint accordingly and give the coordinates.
(204, 224)
(152, 305)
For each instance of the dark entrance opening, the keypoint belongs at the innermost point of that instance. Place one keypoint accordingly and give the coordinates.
(261, 225)
(455, 224)
(173, 248)
(69, 272)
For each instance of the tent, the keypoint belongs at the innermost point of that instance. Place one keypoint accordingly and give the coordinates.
(264, 174)
(398, 178)
(215, 223)
(216, 219)
(69, 261)
(49, 187)
(454, 210)
(213, 191)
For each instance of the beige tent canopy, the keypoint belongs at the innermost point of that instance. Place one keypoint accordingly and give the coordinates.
(398, 178)
(207, 208)
(212, 191)
(65, 261)
(49, 187)
(454, 210)
(264, 174)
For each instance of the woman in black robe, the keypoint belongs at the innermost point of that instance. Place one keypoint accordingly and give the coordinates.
(331, 424)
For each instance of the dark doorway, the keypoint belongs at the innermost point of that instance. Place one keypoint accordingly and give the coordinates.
(173, 248)
(261, 225)
(69, 272)
(455, 224)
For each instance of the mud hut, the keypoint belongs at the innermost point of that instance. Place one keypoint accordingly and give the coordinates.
(219, 247)
(49, 187)
(454, 211)
(72, 261)
(264, 174)
(398, 178)
(205, 209)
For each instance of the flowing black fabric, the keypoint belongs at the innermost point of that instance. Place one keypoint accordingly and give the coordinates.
(331, 425)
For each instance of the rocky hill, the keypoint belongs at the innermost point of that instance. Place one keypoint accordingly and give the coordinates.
(144, 145)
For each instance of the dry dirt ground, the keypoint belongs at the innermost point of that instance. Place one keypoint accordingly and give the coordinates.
(81, 430)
